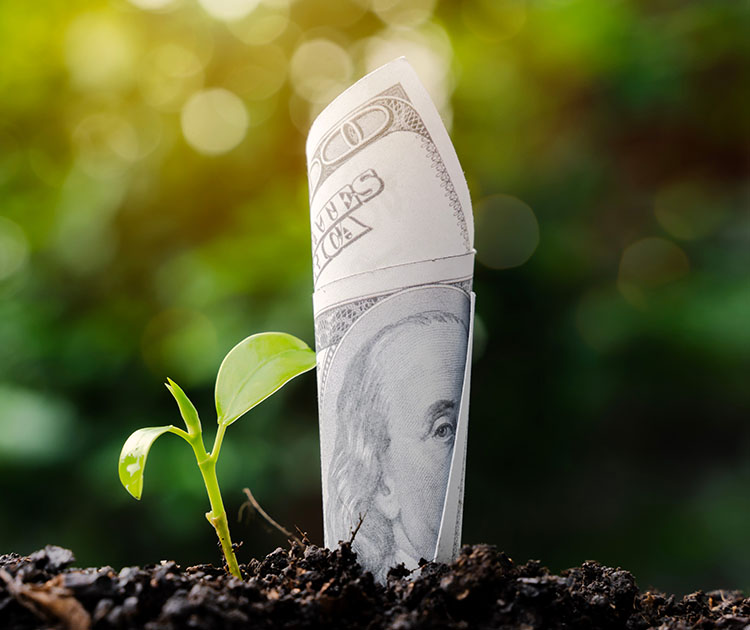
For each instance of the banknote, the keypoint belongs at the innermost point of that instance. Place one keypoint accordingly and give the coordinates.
(393, 258)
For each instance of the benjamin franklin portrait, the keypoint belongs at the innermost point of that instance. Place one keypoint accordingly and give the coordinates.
(396, 410)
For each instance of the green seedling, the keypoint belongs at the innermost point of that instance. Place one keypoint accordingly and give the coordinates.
(253, 370)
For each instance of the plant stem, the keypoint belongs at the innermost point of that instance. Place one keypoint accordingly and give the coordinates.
(218, 441)
(217, 516)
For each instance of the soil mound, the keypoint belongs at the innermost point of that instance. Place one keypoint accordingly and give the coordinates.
(310, 587)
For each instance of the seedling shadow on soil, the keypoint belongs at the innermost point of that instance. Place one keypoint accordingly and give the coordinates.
(310, 587)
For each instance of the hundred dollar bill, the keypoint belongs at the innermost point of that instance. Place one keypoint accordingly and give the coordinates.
(393, 261)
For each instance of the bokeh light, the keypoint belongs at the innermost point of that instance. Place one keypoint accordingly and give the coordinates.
(14, 248)
(153, 5)
(403, 13)
(100, 53)
(689, 209)
(320, 69)
(428, 49)
(83, 238)
(263, 25)
(105, 144)
(214, 121)
(650, 264)
(172, 72)
(228, 9)
(259, 81)
(507, 232)
(35, 427)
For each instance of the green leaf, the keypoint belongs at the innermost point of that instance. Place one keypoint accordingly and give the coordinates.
(133, 458)
(187, 409)
(255, 368)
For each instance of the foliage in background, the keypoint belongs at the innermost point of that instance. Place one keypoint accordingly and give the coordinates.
(153, 209)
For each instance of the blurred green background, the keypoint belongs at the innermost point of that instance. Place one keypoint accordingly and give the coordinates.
(153, 212)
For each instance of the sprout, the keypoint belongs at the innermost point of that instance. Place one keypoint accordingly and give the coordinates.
(253, 370)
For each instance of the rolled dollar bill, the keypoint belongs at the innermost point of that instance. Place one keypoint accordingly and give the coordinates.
(393, 260)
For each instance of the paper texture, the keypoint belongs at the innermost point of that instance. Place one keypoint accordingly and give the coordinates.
(393, 258)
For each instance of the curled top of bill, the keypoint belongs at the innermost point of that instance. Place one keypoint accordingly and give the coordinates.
(402, 197)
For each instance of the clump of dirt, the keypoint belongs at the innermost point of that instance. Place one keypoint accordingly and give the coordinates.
(309, 587)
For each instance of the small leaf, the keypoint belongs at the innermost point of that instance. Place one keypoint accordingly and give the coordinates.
(187, 409)
(255, 368)
(133, 458)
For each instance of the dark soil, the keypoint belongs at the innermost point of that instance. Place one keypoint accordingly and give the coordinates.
(310, 587)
